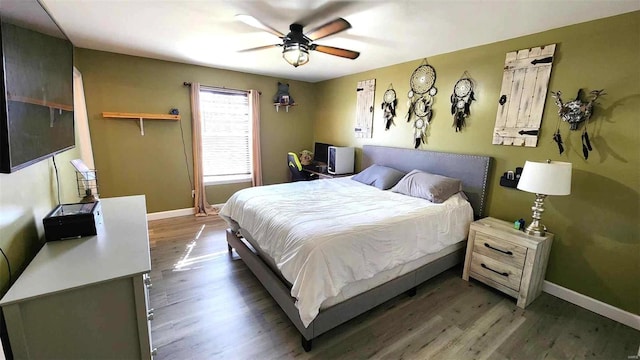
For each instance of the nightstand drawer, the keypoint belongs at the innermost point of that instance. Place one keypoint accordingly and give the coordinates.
(500, 250)
(497, 271)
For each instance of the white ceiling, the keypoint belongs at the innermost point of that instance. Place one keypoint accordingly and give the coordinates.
(206, 32)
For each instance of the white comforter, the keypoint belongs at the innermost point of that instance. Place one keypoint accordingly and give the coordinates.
(325, 234)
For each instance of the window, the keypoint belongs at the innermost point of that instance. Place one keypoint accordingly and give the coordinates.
(226, 136)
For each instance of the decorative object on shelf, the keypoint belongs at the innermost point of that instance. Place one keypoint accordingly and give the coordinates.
(461, 100)
(421, 95)
(575, 112)
(86, 180)
(511, 178)
(282, 96)
(523, 95)
(306, 157)
(174, 111)
(519, 224)
(542, 179)
(296, 45)
(389, 104)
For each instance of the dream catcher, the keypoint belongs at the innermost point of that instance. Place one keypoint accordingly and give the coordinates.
(461, 101)
(575, 112)
(389, 104)
(421, 100)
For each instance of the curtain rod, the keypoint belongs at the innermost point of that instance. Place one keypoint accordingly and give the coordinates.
(221, 87)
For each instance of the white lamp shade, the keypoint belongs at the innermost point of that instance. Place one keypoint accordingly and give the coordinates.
(296, 54)
(547, 178)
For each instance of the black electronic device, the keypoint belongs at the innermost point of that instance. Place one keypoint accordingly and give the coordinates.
(321, 153)
(68, 221)
(511, 178)
(36, 86)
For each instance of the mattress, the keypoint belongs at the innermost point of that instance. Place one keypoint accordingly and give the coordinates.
(327, 234)
(360, 286)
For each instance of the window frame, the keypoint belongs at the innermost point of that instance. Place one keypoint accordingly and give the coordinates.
(229, 178)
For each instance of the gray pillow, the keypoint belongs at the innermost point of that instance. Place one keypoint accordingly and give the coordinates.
(435, 188)
(379, 176)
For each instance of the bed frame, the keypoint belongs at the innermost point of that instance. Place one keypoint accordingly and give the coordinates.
(471, 169)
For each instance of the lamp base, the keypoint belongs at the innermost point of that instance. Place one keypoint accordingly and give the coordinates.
(536, 228)
(539, 230)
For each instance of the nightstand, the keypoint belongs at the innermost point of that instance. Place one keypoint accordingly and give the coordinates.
(507, 259)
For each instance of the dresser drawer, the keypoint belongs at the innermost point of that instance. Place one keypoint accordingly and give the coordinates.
(502, 251)
(497, 271)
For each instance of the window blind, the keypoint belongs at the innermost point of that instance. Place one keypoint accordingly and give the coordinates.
(226, 133)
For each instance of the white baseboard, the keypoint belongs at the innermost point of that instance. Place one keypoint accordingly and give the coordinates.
(179, 212)
(591, 304)
(170, 214)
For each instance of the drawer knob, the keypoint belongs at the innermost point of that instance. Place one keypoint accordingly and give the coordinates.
(496, 249)
(495, 271)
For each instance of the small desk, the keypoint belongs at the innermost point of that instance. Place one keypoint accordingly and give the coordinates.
(325, 175)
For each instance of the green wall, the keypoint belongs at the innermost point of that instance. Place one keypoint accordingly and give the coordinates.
(597, 247)
(27, 196)
(155, 164)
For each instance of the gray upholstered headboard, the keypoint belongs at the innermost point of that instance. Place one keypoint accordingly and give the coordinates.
(471, 169)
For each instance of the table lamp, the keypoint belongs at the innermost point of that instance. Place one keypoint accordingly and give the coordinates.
(542, 179)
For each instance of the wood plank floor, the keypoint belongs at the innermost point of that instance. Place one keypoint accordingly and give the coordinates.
(208, 305)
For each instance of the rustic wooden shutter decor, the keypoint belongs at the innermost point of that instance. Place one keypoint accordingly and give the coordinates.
(364, 113)
(522, 98)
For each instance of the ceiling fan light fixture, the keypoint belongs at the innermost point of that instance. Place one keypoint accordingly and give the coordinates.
(296, 54)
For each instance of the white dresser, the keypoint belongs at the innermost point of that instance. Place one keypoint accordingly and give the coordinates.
(87, 298)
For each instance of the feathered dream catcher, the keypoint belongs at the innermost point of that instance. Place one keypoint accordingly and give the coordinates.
(575, 112)
(421, 99)
(461, 101)
(389, 104)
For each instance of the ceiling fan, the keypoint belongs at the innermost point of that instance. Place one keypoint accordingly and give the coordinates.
(296, 44)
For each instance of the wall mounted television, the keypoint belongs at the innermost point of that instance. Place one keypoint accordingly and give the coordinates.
(36, 95)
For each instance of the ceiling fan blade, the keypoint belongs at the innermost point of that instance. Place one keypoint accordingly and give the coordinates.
(349, 54)
(251, 21)
(330, 28)
(260, 48)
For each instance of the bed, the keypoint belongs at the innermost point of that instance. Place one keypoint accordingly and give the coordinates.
(329, 250)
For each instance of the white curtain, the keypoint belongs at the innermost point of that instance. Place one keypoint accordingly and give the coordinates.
(254, 110)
